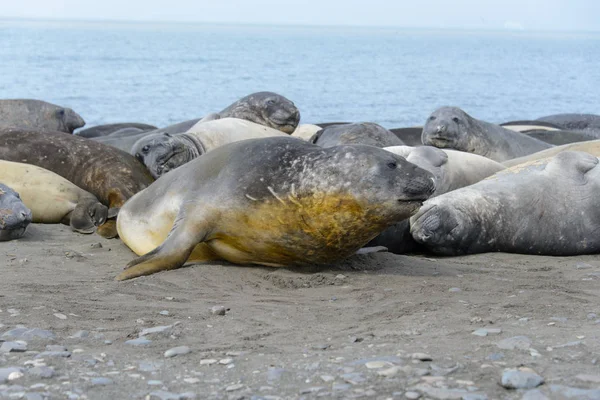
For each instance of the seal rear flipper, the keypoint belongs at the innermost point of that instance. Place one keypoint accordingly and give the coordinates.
(172, 254)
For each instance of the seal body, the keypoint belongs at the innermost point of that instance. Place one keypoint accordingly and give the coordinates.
(451, 127)
(542, 207)
(359, 133)
(276, 201)
(410, 136)
(162, 153)
(38, 115)
(592, 147)
(574, 122)
(112, 176)
(549, 133)
(52, 199)
(14, 215)
(108, 129)
(451, 169)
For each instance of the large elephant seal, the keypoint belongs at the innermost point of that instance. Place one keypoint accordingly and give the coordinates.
(360, 133)
(544, 207)
(52, 199)
(14, 215)
(277, 201)
(451, 169)
(574, 122)
(108, 129)
(109, 174)
(162, 153)
(264, 108)
(38, 115)
(592, 147)
(451, 127)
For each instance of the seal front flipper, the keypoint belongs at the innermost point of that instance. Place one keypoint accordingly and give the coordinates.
(172, 254)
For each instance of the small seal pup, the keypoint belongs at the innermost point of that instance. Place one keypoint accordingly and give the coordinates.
(162, 153)
(14, 215)
(38, 115)
(452, 169)
(451, 127)
(543, 207)
(276, 201)
(591, 146)
(109, 174)
(52, 199)
(358, 133)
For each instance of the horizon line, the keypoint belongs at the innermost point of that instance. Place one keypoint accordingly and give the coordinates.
(291, 25)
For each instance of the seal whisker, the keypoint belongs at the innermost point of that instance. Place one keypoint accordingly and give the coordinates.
(275, 194)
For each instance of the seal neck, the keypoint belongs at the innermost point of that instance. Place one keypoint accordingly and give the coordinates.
(196, 146)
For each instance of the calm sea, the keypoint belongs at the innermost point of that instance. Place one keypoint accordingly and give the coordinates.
(166, 73)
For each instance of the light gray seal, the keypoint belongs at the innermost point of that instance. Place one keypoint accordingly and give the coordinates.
(277, 201)
(38, 115)
(546, 207)
(452, 169)
(359, 133)
(451, 127)
(14, 215)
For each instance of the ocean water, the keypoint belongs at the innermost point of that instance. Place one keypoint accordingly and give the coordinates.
(166, 73)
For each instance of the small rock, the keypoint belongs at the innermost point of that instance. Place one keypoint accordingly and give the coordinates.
(421, 357)
(5, 373)
(42, 372)
(13, 376)
(141, 341)
(164, 312)
(102, 381)
(354, 378)
(18, 346)
(534, 394)
(177, 351)
(80, 335)
(60, 316)
(26, 333)
(486, 331)
(388, 372)
(454, 289)
(55, 347)
(232, 388)
(226, 361)
(96, 245)
(378, 364)
(313, 389)
(592, 316)
(157, 330)
(340, 387)
(208, 361)
(581, 265)
(327, 378)
(218, 310)
(516, 342)
(51, 354)
(340, 276)
(323, 346)
(191, 380)
(522, 378)
(412, 395)
(154, 383)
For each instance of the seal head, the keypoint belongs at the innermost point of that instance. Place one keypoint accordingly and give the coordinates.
(14, 215)
(164, 152)
(448, 127)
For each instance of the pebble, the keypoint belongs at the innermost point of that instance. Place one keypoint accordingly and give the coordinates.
(412, 395)
(454, 289)
(26, 333)
(191, 380)
(515, 342)
(354, 378)
(592, 316)
(534, 394)
(80, 335)
(102, 381)
(160, 330)
(274, 374)
(218, 310)
(421, 357)
(378, 364)
(60, 316)
(96, 245)
(13, 376)
(340, 276)
(59, 354)
(327, 378)
(208, 361)
(154, 383)
(340, 387)
(42, 372)
(233, 388)
(162, 395)
(164, 312)
(389, 371)
(18, 346)
(522, 378)
(226, 361)
(54, 347)
(486, 331)
(177, 351)
(141, 341)
(442, 393)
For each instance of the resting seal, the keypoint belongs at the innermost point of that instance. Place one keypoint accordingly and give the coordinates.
(543, 207)
(14, 215)
(574, 122)
(162, 153)
(276, 201)
(451, 127)
(109, 174)
(549, 133)
(359, 133)
(451, 169)
(52, 199)
(38, 115)
(592, 147)
(109, 129)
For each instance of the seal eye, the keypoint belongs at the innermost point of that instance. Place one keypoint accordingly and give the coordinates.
(392, 165)
(456, 120)
(270, 102)
(432, 118)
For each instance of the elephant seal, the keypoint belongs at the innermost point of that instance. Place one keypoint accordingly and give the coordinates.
(451, 127)
(14, 215)
(264, 108)
(276, 201)
(306, 131)
(105, 130)
(591, 147)
(409, 136)
(38, 115)
(549, 133)
(162, 153)
(111, 175)
(574, 122)
(360, 133)
(451, 169)
(52, 199)
(543, 207)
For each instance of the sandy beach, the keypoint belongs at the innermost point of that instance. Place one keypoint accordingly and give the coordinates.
(354, 330)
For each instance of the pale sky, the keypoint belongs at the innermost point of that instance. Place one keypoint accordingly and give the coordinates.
(468, 14)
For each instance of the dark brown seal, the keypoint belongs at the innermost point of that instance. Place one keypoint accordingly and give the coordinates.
(111, 175)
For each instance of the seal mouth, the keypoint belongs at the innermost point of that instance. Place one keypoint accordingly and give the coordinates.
(10, 234)
(440, 142)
